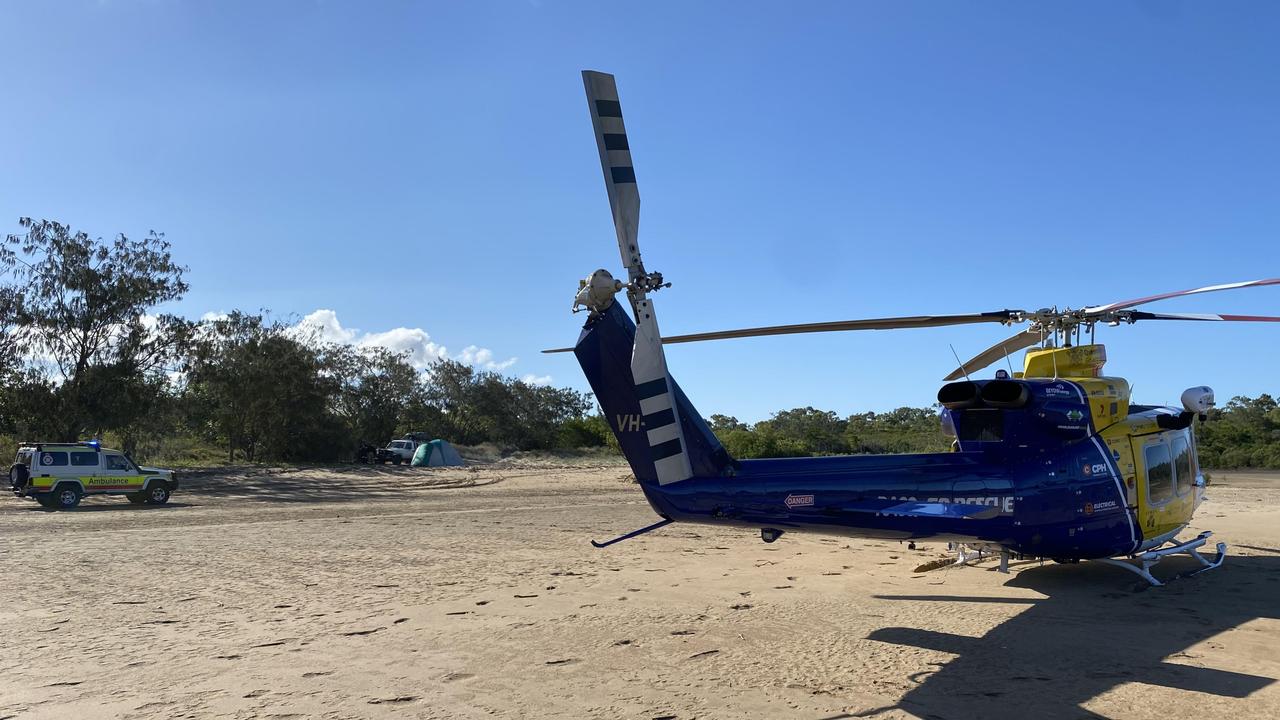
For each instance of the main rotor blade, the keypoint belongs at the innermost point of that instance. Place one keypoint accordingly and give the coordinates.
(891, 323)
(1009, 346)
(1209, 317)
(615, 160)
(1099, 309)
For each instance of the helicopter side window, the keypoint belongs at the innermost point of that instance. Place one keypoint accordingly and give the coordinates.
(1182, 466)
(1159, 474)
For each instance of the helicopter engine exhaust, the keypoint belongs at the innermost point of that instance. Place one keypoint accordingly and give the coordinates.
(1005, 394)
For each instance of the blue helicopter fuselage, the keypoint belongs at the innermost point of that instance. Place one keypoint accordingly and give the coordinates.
(1035, 506)
(1029, 473)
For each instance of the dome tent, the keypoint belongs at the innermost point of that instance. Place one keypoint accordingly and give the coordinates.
(436, 453)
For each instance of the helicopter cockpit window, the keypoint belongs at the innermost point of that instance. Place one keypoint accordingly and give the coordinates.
(1159, 474)
(981, 425)
(1182, 466)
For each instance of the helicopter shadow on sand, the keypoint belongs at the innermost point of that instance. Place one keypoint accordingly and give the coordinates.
(1094, 631)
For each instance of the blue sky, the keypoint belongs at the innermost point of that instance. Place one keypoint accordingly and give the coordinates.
(428, 169)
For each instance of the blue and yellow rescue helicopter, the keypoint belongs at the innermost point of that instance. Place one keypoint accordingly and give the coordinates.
(1052, 462)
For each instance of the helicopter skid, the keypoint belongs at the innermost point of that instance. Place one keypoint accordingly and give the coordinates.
(1142, 563)
(968, 552)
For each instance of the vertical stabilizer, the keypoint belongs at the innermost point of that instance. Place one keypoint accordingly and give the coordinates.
(660, 432)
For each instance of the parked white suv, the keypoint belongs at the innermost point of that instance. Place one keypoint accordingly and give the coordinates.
(400, 451)
(58, 475)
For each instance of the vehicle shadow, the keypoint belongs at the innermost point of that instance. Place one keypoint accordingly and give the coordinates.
(110, 505)
(1094, 631)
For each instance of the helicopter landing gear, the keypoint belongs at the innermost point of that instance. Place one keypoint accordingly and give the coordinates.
(966, 554)
(1142, 563)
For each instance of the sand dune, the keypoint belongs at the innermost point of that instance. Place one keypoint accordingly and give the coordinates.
(408, 592)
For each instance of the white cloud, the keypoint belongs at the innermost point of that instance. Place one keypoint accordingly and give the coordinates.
(415, 341)
(531, 379)
(483, 357)
(324, 326)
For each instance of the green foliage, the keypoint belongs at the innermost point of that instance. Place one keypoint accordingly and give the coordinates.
(81, 306)
(806, 431)
(256, 389)
(589, 431)
(478, 407)
(1243, 434)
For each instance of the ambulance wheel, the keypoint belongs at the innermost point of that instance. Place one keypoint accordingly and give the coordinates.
(395, 460)
(67, 497)
(156, 495)
(137, 498)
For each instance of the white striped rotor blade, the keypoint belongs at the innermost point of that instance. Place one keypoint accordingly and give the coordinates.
(1204, 317)
(657, 401)
(615, 160)
(1099, 309)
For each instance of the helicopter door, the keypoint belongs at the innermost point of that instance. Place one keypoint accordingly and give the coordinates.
(1164, 500)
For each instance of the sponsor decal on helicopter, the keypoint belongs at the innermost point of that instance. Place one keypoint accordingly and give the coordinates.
(1004, 502)
(1091, 508)
(1095, 469)
(1058, 390)
(795, 501)
(1074, 415)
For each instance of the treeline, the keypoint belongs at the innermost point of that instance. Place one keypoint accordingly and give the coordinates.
(807, 431)
(83, 355)
(1245, 433)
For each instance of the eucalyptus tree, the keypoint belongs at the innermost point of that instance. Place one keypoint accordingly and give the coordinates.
(80, 316)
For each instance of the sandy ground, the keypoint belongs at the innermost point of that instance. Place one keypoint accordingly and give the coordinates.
(398, 592)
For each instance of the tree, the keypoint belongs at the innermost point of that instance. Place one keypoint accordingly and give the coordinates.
(723, 424)
(255, 388)
(819, 432)
(80, 306)
(487, 407)
(1244, 433)
(376, 387)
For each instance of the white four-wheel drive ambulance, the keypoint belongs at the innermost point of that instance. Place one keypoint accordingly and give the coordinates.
(58, 475)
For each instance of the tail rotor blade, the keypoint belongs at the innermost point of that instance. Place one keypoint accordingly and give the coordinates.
(615, 160)
(648, 363)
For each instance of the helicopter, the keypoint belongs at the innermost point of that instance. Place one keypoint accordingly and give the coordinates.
(1053, 462)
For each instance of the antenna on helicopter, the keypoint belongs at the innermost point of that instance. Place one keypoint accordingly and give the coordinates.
(960, 364)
